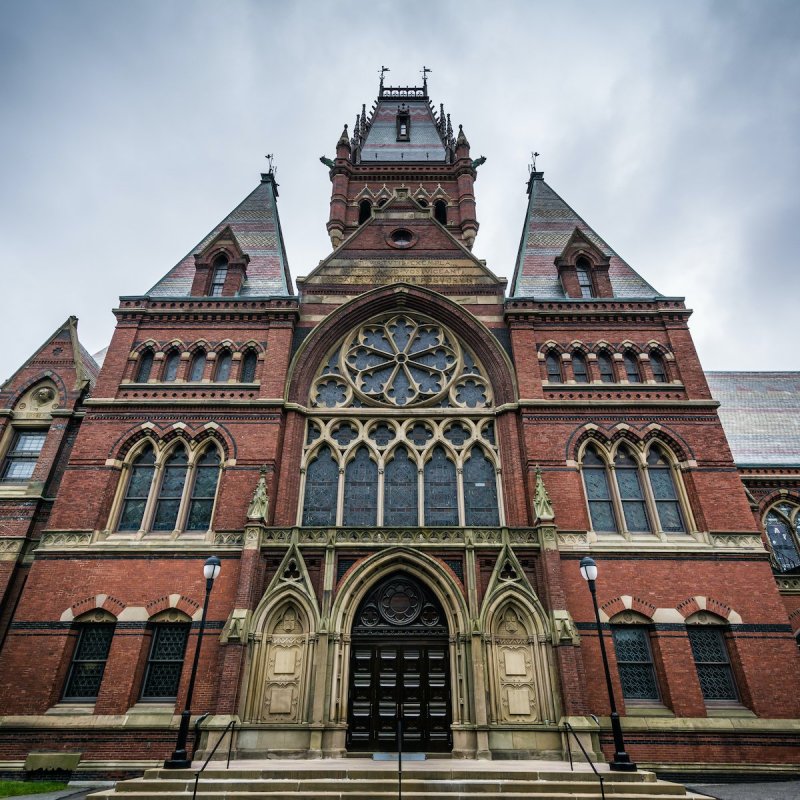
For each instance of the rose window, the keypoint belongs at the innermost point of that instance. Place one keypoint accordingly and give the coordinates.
(401, 361)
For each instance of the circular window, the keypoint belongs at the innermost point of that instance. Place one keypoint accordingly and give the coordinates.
(402, 238)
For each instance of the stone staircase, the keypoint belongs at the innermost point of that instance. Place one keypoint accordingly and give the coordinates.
(361, 779)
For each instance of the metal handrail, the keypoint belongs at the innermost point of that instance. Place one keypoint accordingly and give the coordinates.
(570, 730)
(229, 727)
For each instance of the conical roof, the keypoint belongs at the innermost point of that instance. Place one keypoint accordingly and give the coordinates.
(549, 225)
(256, 226)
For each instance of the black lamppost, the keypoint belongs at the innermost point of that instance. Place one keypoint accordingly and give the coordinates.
(622, 761)
(180, 759)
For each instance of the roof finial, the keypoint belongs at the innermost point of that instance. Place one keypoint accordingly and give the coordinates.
(425, 72)
(532, 165)
(270, 160)
(383, 70)
(344, 138)
(363, 120)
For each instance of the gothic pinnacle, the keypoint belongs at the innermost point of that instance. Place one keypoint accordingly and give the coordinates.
(344, 138)
(461, 141)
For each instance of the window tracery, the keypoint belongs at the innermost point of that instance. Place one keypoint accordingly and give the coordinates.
(782, 524)
(633, 489)
(169, 488)
(363, 468)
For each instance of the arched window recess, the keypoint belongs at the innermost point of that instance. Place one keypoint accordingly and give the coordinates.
(634, 490)
(167, 489)
(782, 526)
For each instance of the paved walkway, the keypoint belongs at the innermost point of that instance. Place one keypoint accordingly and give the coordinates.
(784, 790)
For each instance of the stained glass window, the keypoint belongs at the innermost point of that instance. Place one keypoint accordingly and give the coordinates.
(145, 367)
(662, 483)
(20, 461)
(441, 490)
(345, 434)
(201, 502)
(457, 434)
(171, 366)
(606, 367)
(141, 477)
(659, 368)
(89, 661)
(198, 366)
(173, 477)
(480, 490)
(579, 369)
(361, 490)
(553, 362)
(223, 371)
(382, 434)
(249, 366)
(400, 490)
(595, 476)
(635, 663)
(782, 540)
(631, 367)
(630, 492)
(712, 662)
(322, 488)
(165, 661)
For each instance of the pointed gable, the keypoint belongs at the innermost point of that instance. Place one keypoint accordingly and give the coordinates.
(255, 225)
(402, 243)
(550, 225)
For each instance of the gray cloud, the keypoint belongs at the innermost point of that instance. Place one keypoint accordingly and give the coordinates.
(131, 128)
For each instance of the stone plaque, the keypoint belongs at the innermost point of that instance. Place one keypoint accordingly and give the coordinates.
(519, 701)
(515, 662)
(284, 661)
(280, 700)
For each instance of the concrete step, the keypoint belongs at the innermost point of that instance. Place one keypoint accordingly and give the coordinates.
(372, 795)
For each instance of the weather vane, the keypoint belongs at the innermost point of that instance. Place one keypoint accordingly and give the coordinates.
(425, 72)
(384, 70)
(532, 167)
(270, 158)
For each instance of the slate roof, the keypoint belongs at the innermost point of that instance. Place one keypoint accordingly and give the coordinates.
(381, 143)
(549, 223)
(760, 413)
(256, 226)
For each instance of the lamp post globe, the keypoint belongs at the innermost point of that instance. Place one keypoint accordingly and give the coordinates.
(180, 758)
(622, 761)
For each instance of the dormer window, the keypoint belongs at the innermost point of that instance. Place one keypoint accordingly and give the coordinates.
(403, 125)
(219, 276)
(584, 272)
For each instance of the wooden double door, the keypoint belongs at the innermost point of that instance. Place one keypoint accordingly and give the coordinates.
(399, 666)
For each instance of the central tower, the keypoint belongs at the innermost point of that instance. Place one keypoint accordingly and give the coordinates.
(402, 143)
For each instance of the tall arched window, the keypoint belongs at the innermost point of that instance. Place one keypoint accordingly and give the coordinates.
(198, 366)
(89, 659)
(584, 272)
(665, 495)
(171, 365)
(364, 211)
(782, 523)
(631, 495)
(553, 362)
(249, 366)
(322, 487)
(145, 367)
(223, 370)
(480, 490)
(204, 489)
(401, 490)
(606, 367)
(598, 491)
(219, 276)
(142, 471)
(170, 492)
(579, 369)
(361, 490)
(631, 367)
(441, 490)
(440, 212)
(659, 368)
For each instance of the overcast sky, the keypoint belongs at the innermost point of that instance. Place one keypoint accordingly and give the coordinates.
(129, 129)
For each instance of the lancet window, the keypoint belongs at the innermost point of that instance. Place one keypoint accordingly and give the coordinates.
(782, 523)
(169, 490)
(434, 461)
(633, 490)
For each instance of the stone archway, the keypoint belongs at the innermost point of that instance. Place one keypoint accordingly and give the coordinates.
(399, 666)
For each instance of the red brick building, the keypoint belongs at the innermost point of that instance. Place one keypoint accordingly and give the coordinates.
(400, 465)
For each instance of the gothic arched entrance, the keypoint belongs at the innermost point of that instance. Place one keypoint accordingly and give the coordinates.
(399, 663)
